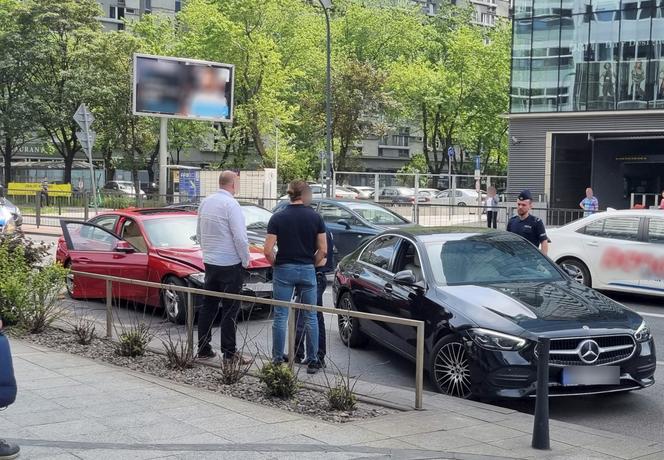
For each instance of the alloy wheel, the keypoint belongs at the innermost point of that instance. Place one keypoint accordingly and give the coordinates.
(575, 272)
(172, 303)
(452, 370)
(345, 321)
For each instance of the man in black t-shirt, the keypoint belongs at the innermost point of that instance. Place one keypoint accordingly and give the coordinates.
(527, 225)
(299, 233)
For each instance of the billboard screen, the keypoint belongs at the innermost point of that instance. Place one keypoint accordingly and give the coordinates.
(183, 88)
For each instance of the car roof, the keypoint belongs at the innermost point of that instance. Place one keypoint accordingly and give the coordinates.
(442, 234)
(149, 213)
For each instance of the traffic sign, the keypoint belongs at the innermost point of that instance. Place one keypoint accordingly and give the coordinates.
(451, 152)
(83, 117)
(87, 140)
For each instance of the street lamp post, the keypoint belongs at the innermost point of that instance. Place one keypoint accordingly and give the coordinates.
(327, 5)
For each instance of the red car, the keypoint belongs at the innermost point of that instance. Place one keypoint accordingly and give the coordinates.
(157, 245)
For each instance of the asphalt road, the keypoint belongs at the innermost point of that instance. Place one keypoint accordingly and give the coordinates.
(639, 413)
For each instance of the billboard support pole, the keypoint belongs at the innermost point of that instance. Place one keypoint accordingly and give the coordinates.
(163, 159)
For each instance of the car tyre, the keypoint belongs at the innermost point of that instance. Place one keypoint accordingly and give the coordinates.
(174, 302)
(461, 204)
(582, 274)
(449, 369)
(349, 328)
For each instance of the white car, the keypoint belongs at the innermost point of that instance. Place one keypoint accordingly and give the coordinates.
(317, 191)
(460, 197)
(613, 250)
(363, 192)
(344, 192)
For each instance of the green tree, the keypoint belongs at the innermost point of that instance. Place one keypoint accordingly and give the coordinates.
(63, 30)
(17, 108)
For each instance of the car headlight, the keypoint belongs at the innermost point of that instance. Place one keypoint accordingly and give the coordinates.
(492, 340)
(642, 334)
(198, 277)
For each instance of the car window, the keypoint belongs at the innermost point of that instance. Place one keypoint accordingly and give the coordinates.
(87, 237)
(316, 189)
(656, 231)
(379, 253)
(375, 214)
(619, 228)
(333, 213)
(131, 233)
(107, 222)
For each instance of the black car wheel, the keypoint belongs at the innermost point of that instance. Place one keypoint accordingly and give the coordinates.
(174, 302)
(577, 270)
(450, 368)
(349, 328)
(461, 204)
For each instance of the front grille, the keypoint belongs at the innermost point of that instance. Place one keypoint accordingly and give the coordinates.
(612, 349)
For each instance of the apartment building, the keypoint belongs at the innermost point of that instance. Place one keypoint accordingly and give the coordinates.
(117, 11)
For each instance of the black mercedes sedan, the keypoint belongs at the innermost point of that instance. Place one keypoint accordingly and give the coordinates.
(485, 298)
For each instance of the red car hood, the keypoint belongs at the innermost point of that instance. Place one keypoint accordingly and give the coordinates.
(194, 257)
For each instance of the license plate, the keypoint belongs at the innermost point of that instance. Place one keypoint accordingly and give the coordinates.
(259, 287)
(599, 375)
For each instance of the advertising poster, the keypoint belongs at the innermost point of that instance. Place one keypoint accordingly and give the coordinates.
(190, 184)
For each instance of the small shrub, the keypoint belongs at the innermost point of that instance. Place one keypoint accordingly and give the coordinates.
(134, 340)
(84, 330)
(341, 397)
(233, 370)
(279, 380)
(31, 253)
(178, 352)
(46, 285)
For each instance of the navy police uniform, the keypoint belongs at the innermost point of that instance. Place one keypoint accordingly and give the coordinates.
(530, 228)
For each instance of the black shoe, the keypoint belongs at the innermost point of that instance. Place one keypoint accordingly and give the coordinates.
(206, 353)
(299, 359)
(321, 361)
(313, 367)
(8, 451)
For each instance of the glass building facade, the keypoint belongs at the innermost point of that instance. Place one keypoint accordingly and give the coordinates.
(587, 55)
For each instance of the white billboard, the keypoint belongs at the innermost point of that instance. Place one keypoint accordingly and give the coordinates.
(183, 88)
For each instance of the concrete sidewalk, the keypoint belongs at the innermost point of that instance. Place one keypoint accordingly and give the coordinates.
(45, 230)
(70, 407)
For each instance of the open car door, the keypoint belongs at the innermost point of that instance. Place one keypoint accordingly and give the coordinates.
(94, 249)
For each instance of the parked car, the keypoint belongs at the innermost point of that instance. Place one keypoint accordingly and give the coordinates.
(352, 222)
(10, 217)
(344, 192)
(317, 190)
(400, 195)
(157, 245)
(121, 188)
(486, 297)
(614, 250)
(430, 193)
(460, 197)
(363, 192)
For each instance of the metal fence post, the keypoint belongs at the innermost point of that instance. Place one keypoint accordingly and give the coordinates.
(38, 209)
(86, 211)
(190, 324)
(291, 336)
(109, 309)
(541, 426)
(419, 366)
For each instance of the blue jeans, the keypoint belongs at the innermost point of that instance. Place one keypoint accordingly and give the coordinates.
(285, 279)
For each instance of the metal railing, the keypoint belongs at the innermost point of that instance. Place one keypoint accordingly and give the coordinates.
(419, 325)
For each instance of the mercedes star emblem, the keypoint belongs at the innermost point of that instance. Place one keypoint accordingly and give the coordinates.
(588, 351)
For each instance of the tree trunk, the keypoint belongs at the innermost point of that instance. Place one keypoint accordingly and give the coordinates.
(425, 139)
(69, 163)
(7, 156)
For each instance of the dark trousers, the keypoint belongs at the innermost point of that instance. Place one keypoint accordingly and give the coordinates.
(492, 219)
(321, 282)
(221, 279)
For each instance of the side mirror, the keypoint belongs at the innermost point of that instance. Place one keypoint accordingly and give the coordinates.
(344, 222)
(124, 247)
(405, 277)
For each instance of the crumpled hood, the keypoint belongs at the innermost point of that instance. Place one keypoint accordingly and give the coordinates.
(194, 256)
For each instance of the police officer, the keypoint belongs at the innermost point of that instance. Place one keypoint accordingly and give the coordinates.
(526, 225)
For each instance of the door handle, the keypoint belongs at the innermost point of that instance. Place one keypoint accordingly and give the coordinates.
(83, 260)
(388, 288)
(593, 243)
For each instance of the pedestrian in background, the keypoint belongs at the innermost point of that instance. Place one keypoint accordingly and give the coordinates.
(526, 225)
(7, 392)
(44, 191)
(589, 204)
(222, 234)
(299, 233)
(491, 208)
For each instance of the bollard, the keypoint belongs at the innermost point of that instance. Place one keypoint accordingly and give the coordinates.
(291, 337)
(541, 426)
(190, 323)
(109, 309)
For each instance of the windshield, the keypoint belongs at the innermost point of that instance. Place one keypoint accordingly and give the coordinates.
(488, 259)
(172, 232)
(255, 216)
(376, 215)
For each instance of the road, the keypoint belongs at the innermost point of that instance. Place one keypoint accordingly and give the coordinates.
(639, 413)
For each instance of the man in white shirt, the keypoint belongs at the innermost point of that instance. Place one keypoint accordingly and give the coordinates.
(222, 234)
